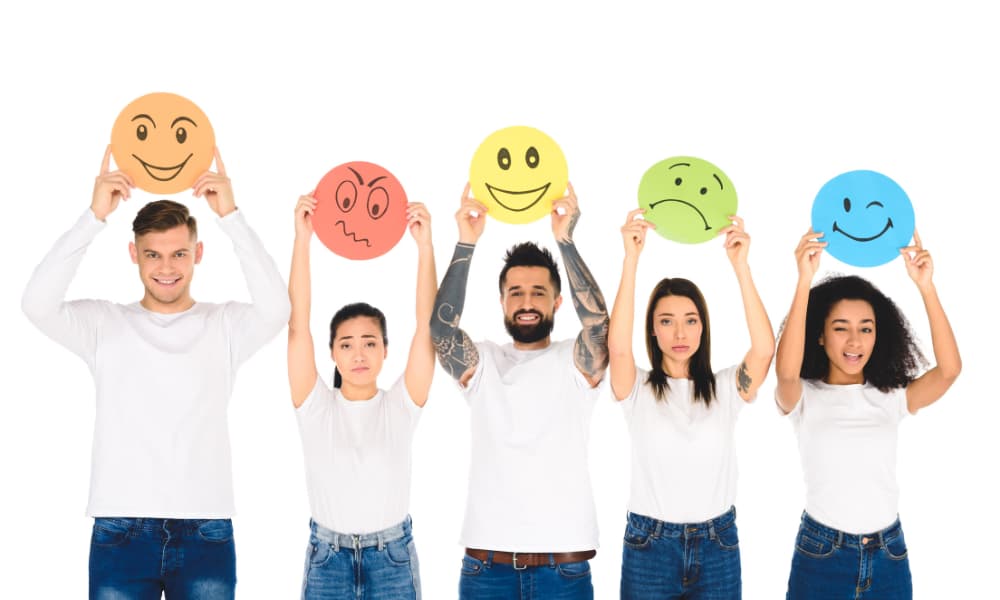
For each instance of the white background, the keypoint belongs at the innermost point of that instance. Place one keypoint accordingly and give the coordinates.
(782, 96)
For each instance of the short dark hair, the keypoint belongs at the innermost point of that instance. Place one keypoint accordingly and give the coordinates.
(348, 312)
(700, 364)
(528, 254)
(895, 358)
(163, 215)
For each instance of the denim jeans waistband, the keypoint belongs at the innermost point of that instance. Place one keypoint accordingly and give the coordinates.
(148, 525)
(362, 540)
(860, 540)
(658, 528)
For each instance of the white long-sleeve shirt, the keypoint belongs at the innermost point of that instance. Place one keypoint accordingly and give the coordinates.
(163, 381)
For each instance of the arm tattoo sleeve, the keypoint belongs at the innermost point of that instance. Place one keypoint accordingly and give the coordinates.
(592, 343)
(743, 379)
(454, 349)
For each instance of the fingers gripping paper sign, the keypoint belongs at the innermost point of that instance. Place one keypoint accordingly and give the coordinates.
(517, 172)
(687, 198)
(865, 218)
(360, 210)
(163, 142)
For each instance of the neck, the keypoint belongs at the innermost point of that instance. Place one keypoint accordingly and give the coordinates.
(356, 393)
(837, 377)
(539, 345)
(153, 305)
(675, 369)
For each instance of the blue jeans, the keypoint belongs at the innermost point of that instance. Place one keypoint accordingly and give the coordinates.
(837, 565)
(681, 560)
(188, 559)
(489, 580)
(371, 566)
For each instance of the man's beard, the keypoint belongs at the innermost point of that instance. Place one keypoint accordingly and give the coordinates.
(529, 334)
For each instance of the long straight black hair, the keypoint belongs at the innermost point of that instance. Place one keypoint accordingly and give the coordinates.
(700, 365)
(348, 312)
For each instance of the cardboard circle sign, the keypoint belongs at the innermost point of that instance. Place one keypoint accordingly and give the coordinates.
(865, 218)
(360, 210)
(687, 198)
(517, 172)
(163, 141)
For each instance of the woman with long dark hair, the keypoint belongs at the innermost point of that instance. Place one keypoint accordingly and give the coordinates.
(681, 539)
(356, 437)
(847, 369)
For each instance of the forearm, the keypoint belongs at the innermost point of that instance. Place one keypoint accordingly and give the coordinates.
(623, 313)
(264, 282)
(791, 346)
(946, 353)
(758, 323)
(592, 344)
(455, 351)
(43, 296)
(300, 287)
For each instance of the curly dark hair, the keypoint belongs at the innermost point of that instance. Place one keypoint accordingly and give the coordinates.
(896, 359)
(700, 364)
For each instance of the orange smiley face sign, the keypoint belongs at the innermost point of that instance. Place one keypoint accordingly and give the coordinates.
(163, 142)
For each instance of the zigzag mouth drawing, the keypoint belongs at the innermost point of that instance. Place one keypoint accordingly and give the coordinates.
(350, 234)
(700, 214)
(510, 195)
(168, 172)
(888, 225)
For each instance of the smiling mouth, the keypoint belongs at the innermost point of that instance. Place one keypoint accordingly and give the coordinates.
(163, 173)
(888, 226)
(693, 207)
(511, 195)
(351, 234)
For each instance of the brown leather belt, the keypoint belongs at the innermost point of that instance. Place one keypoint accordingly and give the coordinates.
(523, 560)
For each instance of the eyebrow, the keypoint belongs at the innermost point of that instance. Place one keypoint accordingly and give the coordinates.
(719, 180)
(679, 165)
(351, 337)
(358, 175)
(668, 314)
(379, 178)
(846, 321)
(534, 287)
(144, 116)
(183, 119)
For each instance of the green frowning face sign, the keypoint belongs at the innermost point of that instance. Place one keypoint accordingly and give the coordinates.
(688, 199)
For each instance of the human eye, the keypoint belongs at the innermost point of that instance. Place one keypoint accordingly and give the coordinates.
(665, 322)
(370, 345)
(692, 321)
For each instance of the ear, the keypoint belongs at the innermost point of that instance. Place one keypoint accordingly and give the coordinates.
(821, 339)
(557, 304)
(133, 252)
(198, 251)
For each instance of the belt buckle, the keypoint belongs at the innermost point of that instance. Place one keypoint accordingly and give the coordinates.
(514, 562)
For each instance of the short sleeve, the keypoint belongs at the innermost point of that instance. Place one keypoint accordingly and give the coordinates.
(796, 413)
(485, 351)
(401, 403)
(628, 402)
(318, 402)
(898, 396)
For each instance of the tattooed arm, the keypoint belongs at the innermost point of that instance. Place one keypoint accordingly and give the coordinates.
(591, 349)
(455, 350)
(757, 361)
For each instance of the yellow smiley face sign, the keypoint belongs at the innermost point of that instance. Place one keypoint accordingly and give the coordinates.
(163, 142)
(517, 172)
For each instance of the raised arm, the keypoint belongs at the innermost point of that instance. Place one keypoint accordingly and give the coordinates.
(455, 351)
(929, 387)
(256, 323)
(792, 343)
(621, 362)
(420, 363)
(591, 349)
(73, 324)
(754, 367)
(301, 354)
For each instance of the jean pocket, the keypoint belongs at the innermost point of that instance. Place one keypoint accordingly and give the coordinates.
(635, 537)
(574, 570)
(108, 533)
(319, 552)
(728, 538)
(471, 567)
(812, 545)
(896, 547)
(216, 530)
(399, 551)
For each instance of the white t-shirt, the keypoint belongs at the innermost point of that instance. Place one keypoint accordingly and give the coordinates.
(358, 457)
(163, 381)
(683, 456)
(529, 482)
(847, 443)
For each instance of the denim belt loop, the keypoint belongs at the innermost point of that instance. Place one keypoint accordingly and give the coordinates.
(840, 539)
(658, 530)
(381, 541)
(552, 561)
(881, 538)
(335, 545)
(711, 530)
